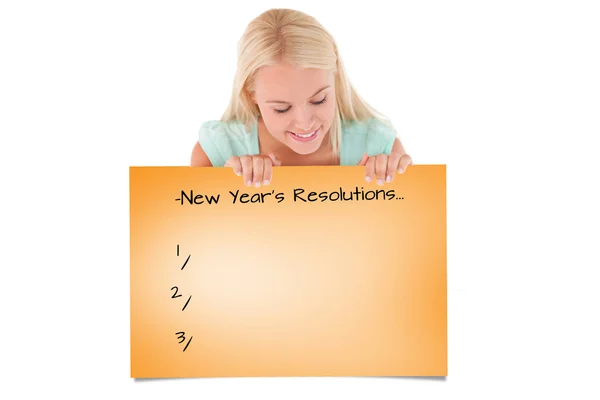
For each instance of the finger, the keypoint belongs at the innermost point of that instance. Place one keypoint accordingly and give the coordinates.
(405, 162)
(267, 173)
(392, 166)
(246, 162)
(258, 165)
(380, 168)
(363, 160)
(234, 162)
(369, 169)
(275, 160)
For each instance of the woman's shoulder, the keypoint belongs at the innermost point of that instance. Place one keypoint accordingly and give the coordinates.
(374, 128)
(232, 130)
(221, 140)
(372, 136)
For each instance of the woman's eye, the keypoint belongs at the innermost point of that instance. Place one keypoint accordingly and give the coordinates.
(321, 101)
(316, 103)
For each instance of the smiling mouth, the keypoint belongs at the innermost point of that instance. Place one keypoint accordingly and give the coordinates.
(304, 137)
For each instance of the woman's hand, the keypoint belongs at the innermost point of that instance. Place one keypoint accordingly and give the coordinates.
(384, 167)
(257, 169)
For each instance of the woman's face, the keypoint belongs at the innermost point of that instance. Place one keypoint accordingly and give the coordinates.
(297, 105)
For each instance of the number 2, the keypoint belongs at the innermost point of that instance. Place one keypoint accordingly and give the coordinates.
(175, 295)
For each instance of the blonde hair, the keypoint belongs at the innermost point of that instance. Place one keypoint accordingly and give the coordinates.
(295, 38)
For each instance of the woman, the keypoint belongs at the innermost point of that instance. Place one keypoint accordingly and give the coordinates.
(292, 104)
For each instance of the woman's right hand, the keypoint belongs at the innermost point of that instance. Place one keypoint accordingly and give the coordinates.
(257, 170)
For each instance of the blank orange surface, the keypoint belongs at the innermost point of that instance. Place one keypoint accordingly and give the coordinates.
(290, 288)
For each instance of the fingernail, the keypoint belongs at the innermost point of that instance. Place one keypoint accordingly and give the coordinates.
(368, 178)
(256, 184)
(388, 178)
(238, 173)
(248, 183)
(266, 182)
(380, 181)
(400, 170)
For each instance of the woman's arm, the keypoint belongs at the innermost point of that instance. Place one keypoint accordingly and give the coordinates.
(199, 157)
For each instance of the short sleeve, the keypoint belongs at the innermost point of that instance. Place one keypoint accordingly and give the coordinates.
(211, 141)
(222, 140)
(380, 137)
(372, 136)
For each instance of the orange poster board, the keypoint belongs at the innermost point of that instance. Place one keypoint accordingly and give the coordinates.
(317, 274)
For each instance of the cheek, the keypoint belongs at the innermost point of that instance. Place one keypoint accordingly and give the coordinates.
(276, 124)
(327, 112)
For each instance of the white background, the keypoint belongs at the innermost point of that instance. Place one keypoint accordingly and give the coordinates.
(506, 93)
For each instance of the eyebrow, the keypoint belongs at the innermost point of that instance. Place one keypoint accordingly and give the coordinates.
(281, 101)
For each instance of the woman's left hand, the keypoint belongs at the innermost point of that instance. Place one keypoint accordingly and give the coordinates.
(384, 167)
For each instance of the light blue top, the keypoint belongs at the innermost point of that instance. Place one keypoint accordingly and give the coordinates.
(222, 140)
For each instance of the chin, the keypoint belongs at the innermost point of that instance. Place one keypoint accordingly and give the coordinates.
(305, 148)
(302, 150)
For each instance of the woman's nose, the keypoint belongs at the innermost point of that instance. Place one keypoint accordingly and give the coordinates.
(304, 119)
